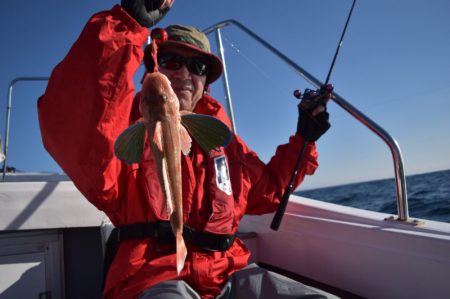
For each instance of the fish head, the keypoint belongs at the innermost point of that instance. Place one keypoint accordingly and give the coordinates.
(157, 95)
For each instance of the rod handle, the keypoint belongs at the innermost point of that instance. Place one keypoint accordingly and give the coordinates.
(287, 192)
(276, 221)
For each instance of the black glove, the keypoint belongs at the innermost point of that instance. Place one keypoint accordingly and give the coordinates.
(146, 12)
(308, 126)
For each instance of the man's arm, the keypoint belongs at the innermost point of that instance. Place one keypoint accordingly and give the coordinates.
(88, 100)
(268, 181)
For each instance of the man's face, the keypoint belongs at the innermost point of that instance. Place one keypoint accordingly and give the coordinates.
(187, 86)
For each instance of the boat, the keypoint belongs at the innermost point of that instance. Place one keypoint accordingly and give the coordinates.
(52, 240)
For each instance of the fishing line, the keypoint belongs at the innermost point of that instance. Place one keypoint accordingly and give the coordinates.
(424, 94)
(258, 68)
(290, 186)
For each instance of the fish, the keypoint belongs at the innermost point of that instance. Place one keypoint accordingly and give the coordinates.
(169, 130)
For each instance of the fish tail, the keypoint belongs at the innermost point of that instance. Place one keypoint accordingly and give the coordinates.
(181, 253)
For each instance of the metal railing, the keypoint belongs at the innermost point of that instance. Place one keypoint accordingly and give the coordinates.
(402, 199)
(8, 114)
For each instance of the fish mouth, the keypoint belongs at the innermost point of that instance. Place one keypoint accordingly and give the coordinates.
(167, 4)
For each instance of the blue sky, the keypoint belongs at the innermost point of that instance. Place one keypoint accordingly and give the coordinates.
(394, 66)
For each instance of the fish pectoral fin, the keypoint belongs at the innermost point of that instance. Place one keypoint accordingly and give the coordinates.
(157, 137)
(209, 132)
(185, 141)
(129, 146)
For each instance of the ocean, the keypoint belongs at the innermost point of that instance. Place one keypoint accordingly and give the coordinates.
(428, 195)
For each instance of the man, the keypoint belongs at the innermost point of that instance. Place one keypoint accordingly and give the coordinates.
(89, 102)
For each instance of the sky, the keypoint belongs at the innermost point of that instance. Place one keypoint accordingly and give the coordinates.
(394, 65)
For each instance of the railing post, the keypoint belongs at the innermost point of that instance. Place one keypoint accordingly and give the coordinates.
(400, 181)
(226, 85)
(8, 114)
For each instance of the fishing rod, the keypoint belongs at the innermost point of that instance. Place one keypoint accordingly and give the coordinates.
(325, 89)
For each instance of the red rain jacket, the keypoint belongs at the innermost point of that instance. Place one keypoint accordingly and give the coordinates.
(88, 103)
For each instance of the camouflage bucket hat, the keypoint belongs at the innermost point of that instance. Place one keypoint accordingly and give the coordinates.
(192, 38)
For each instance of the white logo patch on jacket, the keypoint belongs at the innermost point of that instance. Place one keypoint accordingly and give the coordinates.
(222, 174)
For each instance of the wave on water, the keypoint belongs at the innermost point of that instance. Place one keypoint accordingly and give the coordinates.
(428, 195)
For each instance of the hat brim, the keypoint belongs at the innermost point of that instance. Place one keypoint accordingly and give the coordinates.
(216, 66)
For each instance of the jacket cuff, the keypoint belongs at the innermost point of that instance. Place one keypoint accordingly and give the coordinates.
(128, 20)
(298, 139)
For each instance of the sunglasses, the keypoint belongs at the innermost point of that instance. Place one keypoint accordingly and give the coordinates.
(196, 65)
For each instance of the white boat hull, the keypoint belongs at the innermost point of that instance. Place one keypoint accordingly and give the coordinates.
(350, 249)
(356, 250)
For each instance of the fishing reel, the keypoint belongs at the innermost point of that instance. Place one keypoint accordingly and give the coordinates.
(310, 98)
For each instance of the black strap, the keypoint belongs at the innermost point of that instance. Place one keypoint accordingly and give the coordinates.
(163, 232)
(137, 231)
(207, 241)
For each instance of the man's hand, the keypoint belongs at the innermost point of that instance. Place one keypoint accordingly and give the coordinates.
(313, 116)
(147, 12)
